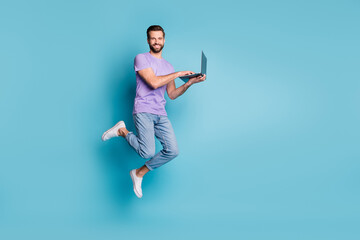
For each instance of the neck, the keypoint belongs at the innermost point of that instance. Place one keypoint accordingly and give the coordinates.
(157, 55)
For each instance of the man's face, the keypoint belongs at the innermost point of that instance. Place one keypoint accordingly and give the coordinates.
(156, 41)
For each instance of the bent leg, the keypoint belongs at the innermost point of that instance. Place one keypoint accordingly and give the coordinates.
(165, 133)
(144, 143)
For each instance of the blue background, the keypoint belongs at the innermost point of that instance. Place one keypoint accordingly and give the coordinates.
(269, 143)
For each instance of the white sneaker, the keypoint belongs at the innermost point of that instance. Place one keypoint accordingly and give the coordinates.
(113, 132)
(136, 183)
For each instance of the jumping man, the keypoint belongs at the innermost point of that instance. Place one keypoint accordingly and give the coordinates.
(154, 75)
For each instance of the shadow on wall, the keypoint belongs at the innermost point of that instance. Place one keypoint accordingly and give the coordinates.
(117, 157)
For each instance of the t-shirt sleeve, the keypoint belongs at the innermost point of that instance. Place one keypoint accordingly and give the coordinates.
(141, 62)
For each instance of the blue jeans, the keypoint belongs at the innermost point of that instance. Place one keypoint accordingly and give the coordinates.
(147, 125)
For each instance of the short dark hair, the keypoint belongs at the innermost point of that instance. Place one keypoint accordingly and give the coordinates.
(154, 28)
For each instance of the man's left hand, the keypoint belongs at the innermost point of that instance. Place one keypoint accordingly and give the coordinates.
(197, 79)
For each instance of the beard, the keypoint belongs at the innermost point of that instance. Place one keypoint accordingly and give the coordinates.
(152, 47)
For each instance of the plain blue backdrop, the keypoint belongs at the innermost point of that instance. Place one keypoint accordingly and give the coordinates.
(269, 143)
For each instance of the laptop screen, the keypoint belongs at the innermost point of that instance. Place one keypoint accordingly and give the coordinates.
(203, 63)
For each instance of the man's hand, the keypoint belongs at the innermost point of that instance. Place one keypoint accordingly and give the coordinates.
(174, 92)
(197, 79)
(184, 73)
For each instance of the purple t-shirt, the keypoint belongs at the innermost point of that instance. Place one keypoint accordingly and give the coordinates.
(148, 99)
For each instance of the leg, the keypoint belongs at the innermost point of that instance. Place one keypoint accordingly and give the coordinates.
(140, 172)
(144, 143)
(165, 133)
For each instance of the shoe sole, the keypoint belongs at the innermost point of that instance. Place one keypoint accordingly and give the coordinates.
(102, 137)
(132, 178)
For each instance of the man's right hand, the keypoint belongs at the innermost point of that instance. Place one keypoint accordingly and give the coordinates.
(184, 73)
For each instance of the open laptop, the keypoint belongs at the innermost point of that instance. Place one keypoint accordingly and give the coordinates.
(203, 69)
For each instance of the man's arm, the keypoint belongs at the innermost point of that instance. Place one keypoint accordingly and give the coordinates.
(174, 92)
(158, 81)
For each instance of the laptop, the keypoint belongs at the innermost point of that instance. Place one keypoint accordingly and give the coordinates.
(203, 69)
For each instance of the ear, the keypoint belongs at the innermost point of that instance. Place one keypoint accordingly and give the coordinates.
(148, 41)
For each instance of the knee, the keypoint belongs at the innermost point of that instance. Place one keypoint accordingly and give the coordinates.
(173, 152)
(147, 153)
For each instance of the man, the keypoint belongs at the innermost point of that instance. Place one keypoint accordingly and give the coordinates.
(153, 75)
